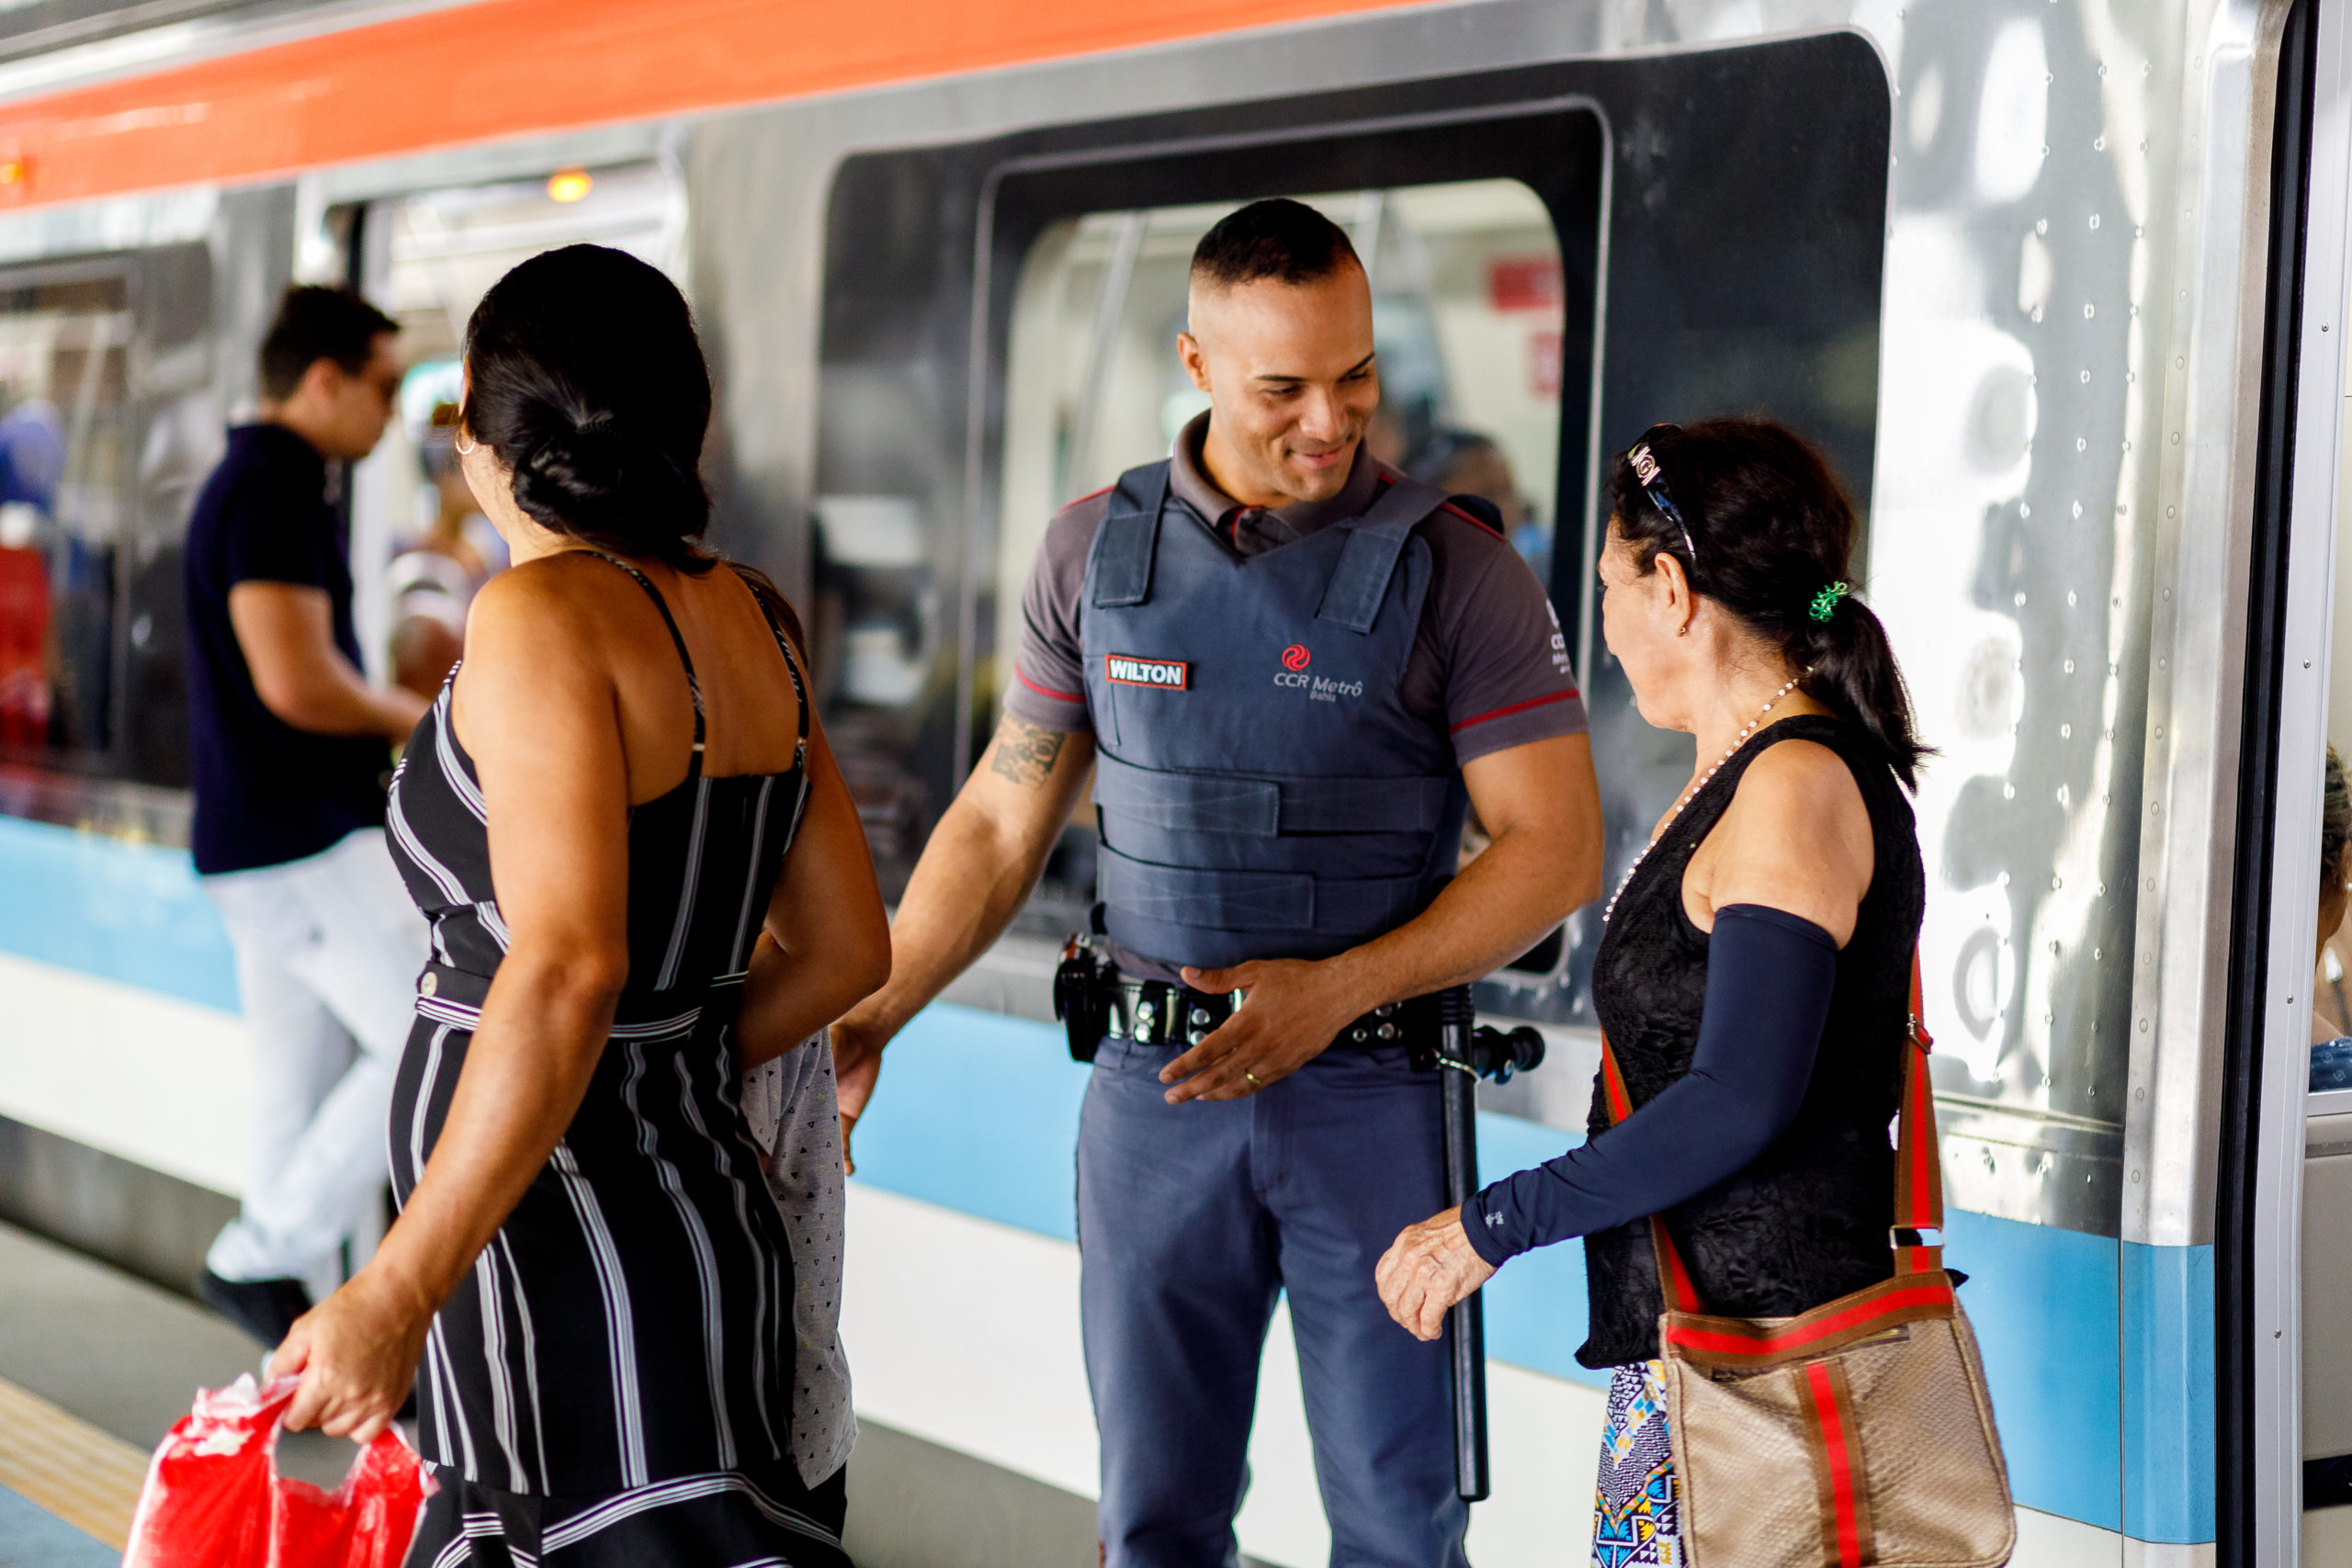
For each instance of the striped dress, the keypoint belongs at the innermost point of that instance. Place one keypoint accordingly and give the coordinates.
(612, 1384)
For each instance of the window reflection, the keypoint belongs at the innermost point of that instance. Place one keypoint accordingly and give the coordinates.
(65, 515)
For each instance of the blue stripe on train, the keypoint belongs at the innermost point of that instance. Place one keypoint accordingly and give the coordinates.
(979, 1112)
(128, 912)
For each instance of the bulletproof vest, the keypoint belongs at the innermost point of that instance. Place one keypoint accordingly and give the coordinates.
(1260, 789)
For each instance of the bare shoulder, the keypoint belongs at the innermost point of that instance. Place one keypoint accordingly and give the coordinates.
(1799, 781)
(567, 591)
(1796, 837)
(1798, 812)
(548, 619)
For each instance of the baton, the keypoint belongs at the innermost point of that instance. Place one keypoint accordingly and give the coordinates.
(1467, 1322)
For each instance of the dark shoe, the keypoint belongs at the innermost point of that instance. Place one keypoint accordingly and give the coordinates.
(263, 1308)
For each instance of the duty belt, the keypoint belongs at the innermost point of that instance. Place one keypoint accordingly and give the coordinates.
(1162, 1012)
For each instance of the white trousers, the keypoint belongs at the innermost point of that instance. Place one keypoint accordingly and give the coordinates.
(328, 953)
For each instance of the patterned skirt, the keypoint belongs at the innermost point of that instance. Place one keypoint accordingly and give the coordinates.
(1637, 1518)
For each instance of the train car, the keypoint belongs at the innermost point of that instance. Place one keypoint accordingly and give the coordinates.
(2061, 285)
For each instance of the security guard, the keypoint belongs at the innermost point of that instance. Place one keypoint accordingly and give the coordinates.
(1289, 667)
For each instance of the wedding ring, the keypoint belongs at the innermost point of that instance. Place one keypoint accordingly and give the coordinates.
(1252, 1077)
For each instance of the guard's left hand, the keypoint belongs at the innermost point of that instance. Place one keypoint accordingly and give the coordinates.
(1294, 1010)
(1428, 1269)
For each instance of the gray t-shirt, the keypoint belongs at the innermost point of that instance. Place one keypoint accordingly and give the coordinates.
(1489, 666)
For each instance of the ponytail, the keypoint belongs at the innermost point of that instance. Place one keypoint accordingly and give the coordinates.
(1761, 526)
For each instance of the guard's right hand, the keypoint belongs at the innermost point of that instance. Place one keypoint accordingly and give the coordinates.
(857, 1066)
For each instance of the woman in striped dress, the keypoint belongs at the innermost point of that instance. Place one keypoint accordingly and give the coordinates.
(644, 875)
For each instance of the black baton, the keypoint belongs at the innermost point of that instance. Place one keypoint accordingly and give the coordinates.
(1466, 1322)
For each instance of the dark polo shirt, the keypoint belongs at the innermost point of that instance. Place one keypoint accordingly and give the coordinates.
(266, 792)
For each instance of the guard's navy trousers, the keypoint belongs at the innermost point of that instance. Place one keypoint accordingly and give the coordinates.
(1191, 1219)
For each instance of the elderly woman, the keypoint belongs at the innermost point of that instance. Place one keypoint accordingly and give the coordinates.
(1754, 973)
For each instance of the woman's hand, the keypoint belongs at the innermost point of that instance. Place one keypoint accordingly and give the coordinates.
(356, 1353)
(1428, 1269)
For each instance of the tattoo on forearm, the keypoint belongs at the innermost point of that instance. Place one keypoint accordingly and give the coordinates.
(1026, 753)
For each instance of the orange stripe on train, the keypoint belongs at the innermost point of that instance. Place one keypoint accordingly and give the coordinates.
(500, 68)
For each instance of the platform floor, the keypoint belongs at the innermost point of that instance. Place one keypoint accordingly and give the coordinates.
(95, 1365)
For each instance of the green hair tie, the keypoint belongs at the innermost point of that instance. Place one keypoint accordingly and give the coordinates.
(1824, 604)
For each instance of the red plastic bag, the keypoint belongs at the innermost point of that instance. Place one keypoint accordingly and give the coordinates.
(214, 1498)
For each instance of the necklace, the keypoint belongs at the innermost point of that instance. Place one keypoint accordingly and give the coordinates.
(1702, 783)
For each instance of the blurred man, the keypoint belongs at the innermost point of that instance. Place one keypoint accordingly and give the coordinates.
(291, 747)
(1289, 668)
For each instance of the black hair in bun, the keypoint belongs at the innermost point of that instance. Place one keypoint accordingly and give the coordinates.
(587, 381)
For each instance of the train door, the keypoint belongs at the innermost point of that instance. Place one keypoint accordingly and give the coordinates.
(1470, 302)
(2284, 1344)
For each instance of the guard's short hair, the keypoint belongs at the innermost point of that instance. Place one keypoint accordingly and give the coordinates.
(315, 324)
(1280, 238)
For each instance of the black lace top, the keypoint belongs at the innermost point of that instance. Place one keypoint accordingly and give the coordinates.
(1807, 1223)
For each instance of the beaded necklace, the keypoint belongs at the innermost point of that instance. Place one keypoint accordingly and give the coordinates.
(1709, 778)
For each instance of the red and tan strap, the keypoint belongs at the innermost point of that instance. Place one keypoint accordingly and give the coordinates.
(1838, 1476)
(1737, 1343)
(1673, 1277)
(1918, 1169)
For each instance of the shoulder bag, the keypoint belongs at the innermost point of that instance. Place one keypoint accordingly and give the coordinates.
(1857, 1433)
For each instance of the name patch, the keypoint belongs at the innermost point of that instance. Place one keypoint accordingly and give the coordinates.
(1126, 670)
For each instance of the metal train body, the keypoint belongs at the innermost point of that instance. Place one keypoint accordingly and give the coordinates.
(2060, 283)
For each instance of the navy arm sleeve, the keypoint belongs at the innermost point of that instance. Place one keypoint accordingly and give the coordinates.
(1770, 975)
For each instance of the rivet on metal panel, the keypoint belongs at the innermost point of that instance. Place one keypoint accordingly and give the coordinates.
(2102, 143)
(2070, 598)
(2081, 445)
(2009, 792)
(2065, 732)
(2020, 605)
(2041, 225)
(2089, 311)
(2087, 378)
(2069, 666)
(2102, 68)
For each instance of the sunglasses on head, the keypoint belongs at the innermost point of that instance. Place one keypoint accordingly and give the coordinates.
(1653, 481)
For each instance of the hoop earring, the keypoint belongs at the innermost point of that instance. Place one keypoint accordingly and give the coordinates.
(465, 445)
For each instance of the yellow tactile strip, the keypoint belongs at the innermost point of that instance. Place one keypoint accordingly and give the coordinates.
(88, 1478)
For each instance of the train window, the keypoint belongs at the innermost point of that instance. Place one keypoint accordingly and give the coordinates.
(1468, 318)
(420, 544)
(67, 518)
